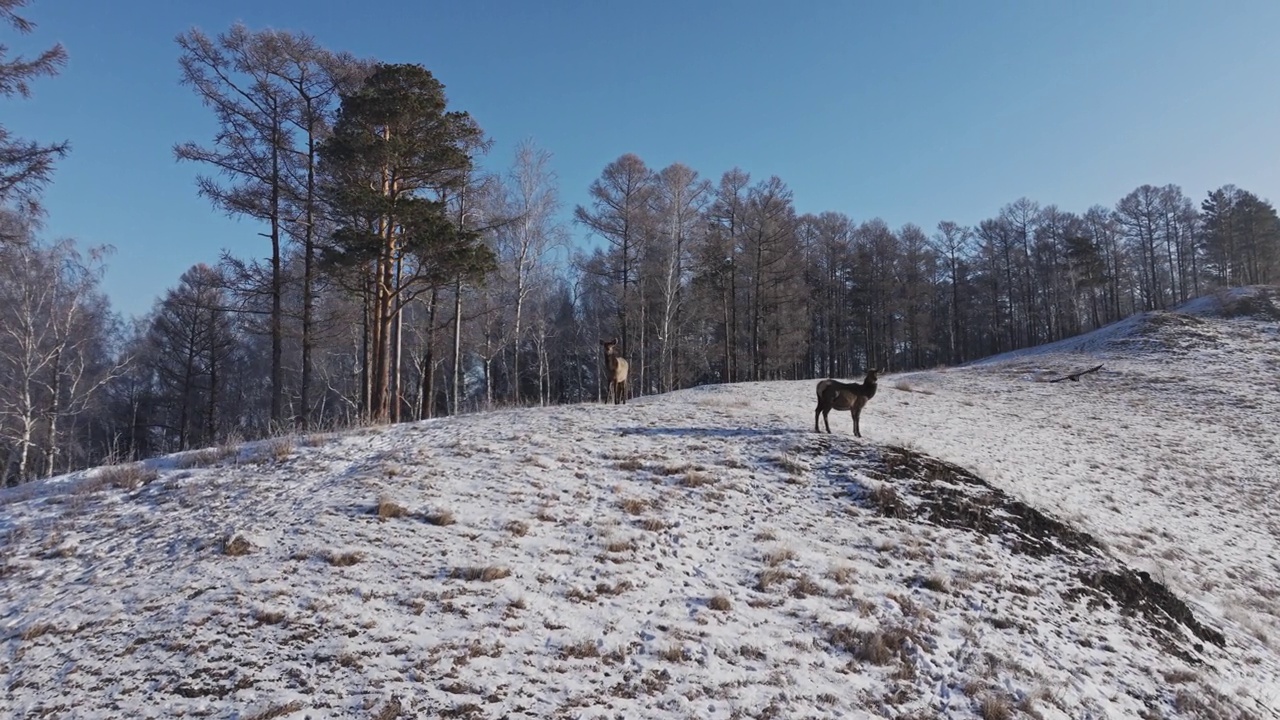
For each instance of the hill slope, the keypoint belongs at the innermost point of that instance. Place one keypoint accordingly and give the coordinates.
(700, 554)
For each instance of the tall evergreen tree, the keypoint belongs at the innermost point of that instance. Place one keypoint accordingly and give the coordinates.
(395, 154)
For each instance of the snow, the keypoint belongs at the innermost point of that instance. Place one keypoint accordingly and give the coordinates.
(698, 554)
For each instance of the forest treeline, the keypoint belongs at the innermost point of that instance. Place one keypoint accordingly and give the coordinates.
(403, 282)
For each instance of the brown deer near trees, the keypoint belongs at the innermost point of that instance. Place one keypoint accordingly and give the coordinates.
(836, 395)
(615, 373)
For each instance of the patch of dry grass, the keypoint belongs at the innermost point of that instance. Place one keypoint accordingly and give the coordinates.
(579, 650)
(236, 545)
(519, 528)
(673, 653)
(805, 586)
(652, 524)
(995, 707)
(720, 603)
(275, 711)
(440, 517)
(269, 617)
(790, 464)
(620, 545)
(770, 577)
(277, 449)
(343, 559)
(129, 476)
(388, 508)
(843, 574)
(878, 647)
(693, 479)
(633, 506)
(207, 457)
(631, 464)
(487, 573)
(936, 583)
(779, 555)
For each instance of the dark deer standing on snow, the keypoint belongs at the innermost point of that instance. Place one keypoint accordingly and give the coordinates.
(836, 395)
(615, 373)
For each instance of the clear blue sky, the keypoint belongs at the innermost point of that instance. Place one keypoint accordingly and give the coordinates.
(909, 111)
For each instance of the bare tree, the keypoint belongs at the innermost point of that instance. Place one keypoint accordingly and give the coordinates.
(680, 198)
(528, 202)
(53, 362)
(236, 76)
(953, 244)
(619, 214)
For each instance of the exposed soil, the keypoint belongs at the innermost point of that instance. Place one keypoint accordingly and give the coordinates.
(925, 489)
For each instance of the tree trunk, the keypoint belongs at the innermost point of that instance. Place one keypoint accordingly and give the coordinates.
(457, 346)
(277, 288)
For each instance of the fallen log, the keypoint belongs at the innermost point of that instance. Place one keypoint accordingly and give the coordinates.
(1075, 377)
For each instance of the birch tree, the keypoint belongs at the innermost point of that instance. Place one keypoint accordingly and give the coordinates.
(680, 197)
(53, 362)
(529, 202)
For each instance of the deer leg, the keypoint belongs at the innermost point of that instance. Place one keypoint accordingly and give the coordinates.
(856, 430)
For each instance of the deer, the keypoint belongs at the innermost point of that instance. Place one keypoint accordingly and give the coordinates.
(836, 395)
(616, 373)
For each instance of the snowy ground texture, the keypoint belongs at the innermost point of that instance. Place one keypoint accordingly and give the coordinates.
(702, 554)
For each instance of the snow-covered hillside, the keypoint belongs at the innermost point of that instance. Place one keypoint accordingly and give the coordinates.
(701, 554)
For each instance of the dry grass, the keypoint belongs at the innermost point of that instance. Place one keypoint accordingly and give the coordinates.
(276, 711)
(236, 545)
(936, 583)
(631, 464)
(206, 458)
(720, 603)
(806, 586)
(269, 617)
(129, 476)
(673, 653)
(440, 517)
(885, 499)
(995, 707)
(343, 559)
(842, 574)
(879, 647)
(487, 573)
(633, 506)
(388, 508)
(653, 524)
(579, 650)
(770, 577)
(693, 479)
(277, 449)
(36, 630)
(618, 546)
(790, 464)
(519, 528)
(777, 556)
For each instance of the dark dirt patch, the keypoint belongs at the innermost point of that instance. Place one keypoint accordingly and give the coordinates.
(920, 488)
(949, 496)
(1136, 591)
